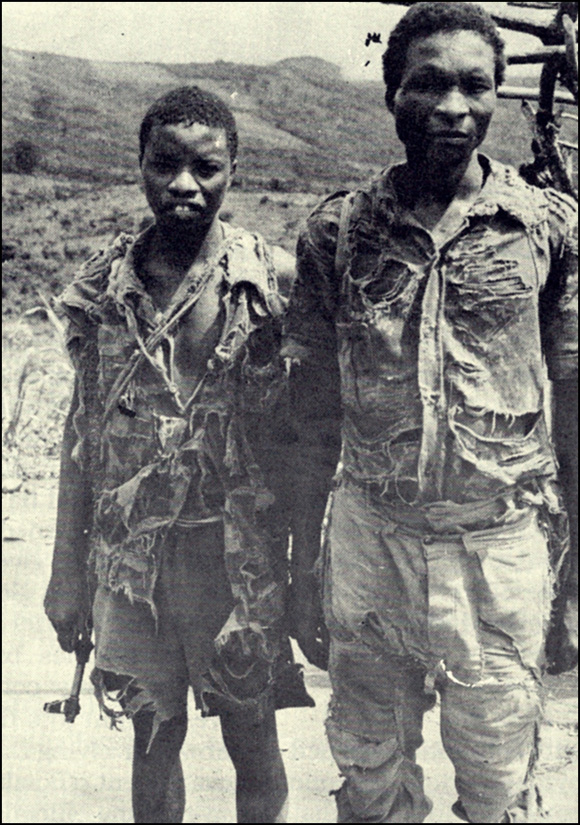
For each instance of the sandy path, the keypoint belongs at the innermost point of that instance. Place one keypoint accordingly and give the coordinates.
(60, 773)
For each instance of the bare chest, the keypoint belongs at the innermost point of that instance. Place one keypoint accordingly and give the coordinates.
(193, 339)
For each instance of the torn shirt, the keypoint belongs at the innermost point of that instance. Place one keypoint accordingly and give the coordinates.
(441, 350)
(154, 458)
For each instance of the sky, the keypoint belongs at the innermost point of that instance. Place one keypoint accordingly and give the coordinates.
(240, 32)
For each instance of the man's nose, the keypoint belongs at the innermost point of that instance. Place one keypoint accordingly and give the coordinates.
(184, 183)
(453, 105)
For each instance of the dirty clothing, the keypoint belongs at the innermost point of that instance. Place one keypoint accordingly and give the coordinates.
(471, 609)
(172, 477)
(441, 350)
(435, 552)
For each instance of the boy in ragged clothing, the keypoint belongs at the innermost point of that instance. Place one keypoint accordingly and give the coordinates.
(167, 486)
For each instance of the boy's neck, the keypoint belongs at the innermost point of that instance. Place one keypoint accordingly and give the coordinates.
(182, 248)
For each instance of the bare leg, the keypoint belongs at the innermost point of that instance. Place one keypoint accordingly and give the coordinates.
(158, 787)
(261, 786)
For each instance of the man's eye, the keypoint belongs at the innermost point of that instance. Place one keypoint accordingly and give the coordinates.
(477, 87)
(429, 85)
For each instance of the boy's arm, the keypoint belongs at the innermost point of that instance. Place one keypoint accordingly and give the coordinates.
(66, 602)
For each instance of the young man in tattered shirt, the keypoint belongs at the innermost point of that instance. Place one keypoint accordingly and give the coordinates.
(427, 305)
(171, 472)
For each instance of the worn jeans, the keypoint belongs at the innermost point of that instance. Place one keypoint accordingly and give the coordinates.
(467, 611)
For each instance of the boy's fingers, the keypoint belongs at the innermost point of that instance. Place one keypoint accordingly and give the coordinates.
(68, 636)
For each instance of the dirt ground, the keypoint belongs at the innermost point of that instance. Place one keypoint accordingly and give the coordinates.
(59, 773)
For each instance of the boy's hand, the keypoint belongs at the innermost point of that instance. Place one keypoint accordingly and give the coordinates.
(67, 607)
(307, 623)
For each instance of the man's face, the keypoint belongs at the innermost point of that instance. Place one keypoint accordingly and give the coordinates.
(186, 172)
(444, 104)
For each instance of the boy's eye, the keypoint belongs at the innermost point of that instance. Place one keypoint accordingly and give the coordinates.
(163, 164)
(208, 170)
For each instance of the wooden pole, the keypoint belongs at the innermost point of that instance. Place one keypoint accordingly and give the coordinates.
(528, 93)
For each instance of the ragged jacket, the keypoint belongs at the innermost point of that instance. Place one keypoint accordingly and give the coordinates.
(440, 352)
(152, 459)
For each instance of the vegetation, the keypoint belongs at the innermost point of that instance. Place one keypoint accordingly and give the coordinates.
(72, 185)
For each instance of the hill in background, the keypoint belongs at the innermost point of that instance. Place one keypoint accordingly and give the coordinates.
(302, 126)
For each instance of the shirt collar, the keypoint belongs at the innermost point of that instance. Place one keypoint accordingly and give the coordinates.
(503, 191)
(124, 285)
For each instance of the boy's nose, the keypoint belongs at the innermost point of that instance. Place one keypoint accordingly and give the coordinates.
(183, 183)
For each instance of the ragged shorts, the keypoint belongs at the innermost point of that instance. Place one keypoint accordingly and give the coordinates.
(161, 659)
(470, 610)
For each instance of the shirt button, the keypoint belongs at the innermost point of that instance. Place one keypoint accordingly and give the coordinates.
(428, 539)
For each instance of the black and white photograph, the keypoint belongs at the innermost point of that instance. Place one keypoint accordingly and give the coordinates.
(290, 412)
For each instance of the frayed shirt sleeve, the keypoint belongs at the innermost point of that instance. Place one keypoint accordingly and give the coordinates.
(315, 409)
(309, 332)
(559, 300)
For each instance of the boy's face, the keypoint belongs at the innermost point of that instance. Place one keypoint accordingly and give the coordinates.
(186, 172)
(444, 104)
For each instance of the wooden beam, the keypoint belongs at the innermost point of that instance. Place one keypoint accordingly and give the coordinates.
(520, 24)
(538, 56)
(547, 5)
(514, 22)
(527, 93)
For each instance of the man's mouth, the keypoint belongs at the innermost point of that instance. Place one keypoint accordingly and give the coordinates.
(451, 136)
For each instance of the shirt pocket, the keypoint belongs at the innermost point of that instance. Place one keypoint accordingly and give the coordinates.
(506, 459)
(490, 282)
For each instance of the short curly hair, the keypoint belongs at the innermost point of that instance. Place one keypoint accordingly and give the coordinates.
(424, 19)
(189, 104)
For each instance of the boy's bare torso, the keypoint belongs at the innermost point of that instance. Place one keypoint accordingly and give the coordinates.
(198, 332)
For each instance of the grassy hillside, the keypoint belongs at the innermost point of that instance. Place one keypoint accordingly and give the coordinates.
(302, 127)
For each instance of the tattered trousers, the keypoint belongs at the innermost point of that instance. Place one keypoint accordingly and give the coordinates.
(468, 610)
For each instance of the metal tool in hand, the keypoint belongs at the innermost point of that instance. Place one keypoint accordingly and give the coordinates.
(71, 707)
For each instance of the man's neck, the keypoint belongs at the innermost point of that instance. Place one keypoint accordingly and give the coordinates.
(442, 183)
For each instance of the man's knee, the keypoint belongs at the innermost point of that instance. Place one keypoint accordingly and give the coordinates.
(378, 695)
(490, 731)
(382, 784)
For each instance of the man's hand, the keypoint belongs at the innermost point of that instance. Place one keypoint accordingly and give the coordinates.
(562, 641)
(67, 606)
(307, 623)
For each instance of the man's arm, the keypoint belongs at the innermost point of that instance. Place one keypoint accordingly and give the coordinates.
(313, 464)
(562, 645)
(310, 350)
(559, 323)
(67, 603)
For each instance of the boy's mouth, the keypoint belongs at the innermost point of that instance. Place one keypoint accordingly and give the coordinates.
(184, 209)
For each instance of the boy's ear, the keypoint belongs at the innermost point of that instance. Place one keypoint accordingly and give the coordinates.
(233, 167)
